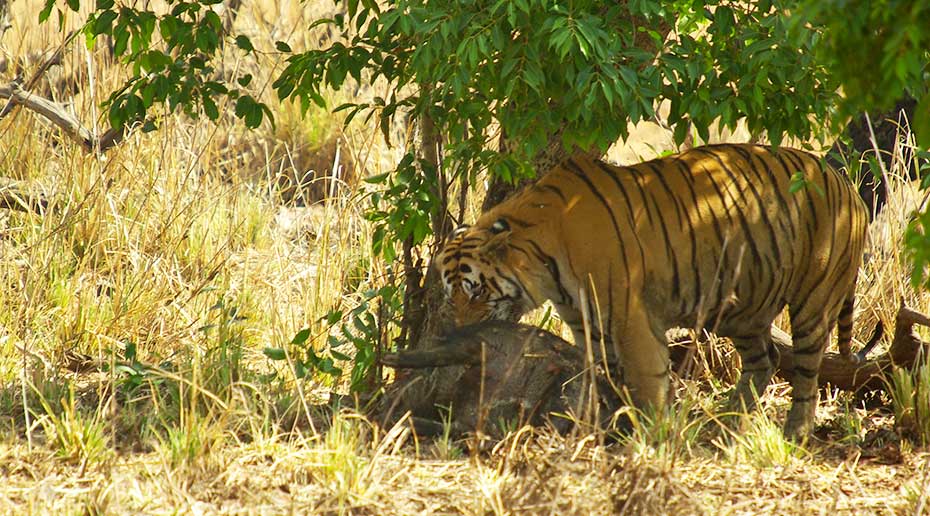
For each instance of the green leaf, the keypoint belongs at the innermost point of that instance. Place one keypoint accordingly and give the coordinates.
(534, 76)
(629, 77)
(210, 109)
(681, 131)
(275, 353)
(922, 122)
(340, 356)
(301, 337)
(103, 23)
(130, 351)
(46, 11)
(244, 43)
(120, 39)
(249, 111)
(126, 370)
(797, 182)
(283, 47)
(377, 179)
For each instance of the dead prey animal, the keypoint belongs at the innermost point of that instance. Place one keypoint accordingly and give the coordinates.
(496, 376)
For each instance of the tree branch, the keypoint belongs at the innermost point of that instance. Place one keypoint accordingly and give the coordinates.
(49, 60)
(57, 114)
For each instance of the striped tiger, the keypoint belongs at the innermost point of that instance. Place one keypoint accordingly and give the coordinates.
(712, 237)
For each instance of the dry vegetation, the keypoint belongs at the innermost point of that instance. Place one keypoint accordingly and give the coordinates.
(174, 251)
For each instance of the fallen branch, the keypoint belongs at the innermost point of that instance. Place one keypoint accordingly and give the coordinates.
(906, 348)
(498, 370)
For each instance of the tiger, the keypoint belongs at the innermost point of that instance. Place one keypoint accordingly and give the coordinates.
(721, 237)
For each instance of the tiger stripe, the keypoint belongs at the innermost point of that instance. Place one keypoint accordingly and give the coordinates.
(712, 236)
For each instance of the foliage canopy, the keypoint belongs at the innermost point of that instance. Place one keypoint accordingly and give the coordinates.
(526, 68)
(529, 69)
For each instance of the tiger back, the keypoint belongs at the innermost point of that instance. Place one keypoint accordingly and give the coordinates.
(709, 238)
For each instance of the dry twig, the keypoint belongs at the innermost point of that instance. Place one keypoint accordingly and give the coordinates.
(58, 114)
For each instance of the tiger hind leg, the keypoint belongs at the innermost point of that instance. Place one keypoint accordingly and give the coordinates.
(759, 357)
(810, 336)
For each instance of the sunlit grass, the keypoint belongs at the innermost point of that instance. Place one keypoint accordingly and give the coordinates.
(76, 434)
(910, 395)
(759, 441)
(667, 437)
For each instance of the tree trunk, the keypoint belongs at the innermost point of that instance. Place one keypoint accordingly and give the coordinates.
(871, 134)
(425, 313)
(5, 24)
(545, 160)
(423, 316)
(430, 298)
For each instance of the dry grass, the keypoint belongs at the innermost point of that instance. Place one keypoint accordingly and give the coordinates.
(170, 264)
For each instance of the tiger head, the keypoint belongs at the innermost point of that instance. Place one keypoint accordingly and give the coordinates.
(482, 275)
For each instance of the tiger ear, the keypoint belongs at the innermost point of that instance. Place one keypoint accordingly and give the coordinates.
(455, 233)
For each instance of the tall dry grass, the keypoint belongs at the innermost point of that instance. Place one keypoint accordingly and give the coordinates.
(135, 313)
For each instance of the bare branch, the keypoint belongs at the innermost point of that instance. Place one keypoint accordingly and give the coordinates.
(4, 17)
(53, 58)
(58, 114)
(54, 112)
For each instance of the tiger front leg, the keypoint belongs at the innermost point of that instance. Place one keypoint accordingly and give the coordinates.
(644, 363)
